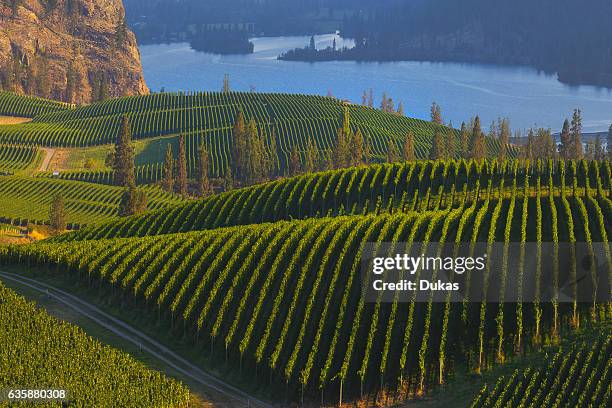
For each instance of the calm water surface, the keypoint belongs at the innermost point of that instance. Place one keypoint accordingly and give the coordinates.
(524, 95)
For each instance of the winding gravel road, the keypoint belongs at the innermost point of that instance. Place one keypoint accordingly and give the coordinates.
(129, 333)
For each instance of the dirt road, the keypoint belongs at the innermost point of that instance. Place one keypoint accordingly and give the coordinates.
(44, 166)
(234, 396)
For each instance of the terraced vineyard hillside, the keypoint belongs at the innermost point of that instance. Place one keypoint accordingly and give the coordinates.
(28, 106)
(285, 120)
(577, 375)
(405, 187)
(284, 299)
(17, 158)
(26, 200)
(36, 350)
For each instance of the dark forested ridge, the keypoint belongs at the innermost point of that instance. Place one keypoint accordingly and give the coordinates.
(570, 37)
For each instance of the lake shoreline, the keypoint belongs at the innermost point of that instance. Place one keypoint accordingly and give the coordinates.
(527, 96)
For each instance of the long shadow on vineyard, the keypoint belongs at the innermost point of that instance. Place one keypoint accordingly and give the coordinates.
(201, 396)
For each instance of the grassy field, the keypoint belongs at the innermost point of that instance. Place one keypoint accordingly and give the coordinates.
(26, 200)
(13, 120)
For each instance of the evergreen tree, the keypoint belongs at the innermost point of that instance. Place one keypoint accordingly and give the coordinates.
(364, 98)
(133, 201)
(168, 177)
(226, 83)
(371, 99)
(544, 146)
(437, 147)
(123, 165)
(408, 151)
(57, 215)
(478, 143)
(598, 150)
(392, 152)
(295, 164)
(504, 136)
(565, 148)
(529, 149)
(465, 141)
(384, 103)
(357, 149)
(451, 144)
(204, 188)
(341, 156)
(493, 130)
(311, 157)
(436, 114)
(400, 109)
(228, 180)
(181, 165)
(312, 45)
(576, 135)
(367, 152)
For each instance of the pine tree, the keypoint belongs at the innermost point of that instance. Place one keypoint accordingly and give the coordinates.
(357, 149)
(544, 145)
(168, 177)
(312, 45)
(371, 99)
(576, 135)
(450, 144)
(226, 83)
(478, 143)
(598, 150)
(465, 141)
(204, 188)
(181, 170)
(295, 164)
(565, 148)
(384, 103)
(392, 152)
(408, 150)
(436, 114)
(228, 180)
(123, 165)
(57, 215)
(341, 156)
(400, 109)
(529, 149)
(437, 147)
(311, 157)
(504, 135)
(133, 201)
(367, 152)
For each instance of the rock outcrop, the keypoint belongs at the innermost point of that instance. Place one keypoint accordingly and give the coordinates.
(77, 51)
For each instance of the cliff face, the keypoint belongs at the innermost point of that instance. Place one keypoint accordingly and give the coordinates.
(77, 51)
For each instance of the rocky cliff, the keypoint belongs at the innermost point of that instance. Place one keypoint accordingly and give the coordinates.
(77, 51)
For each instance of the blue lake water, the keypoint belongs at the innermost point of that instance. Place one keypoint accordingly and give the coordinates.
(526, 96)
